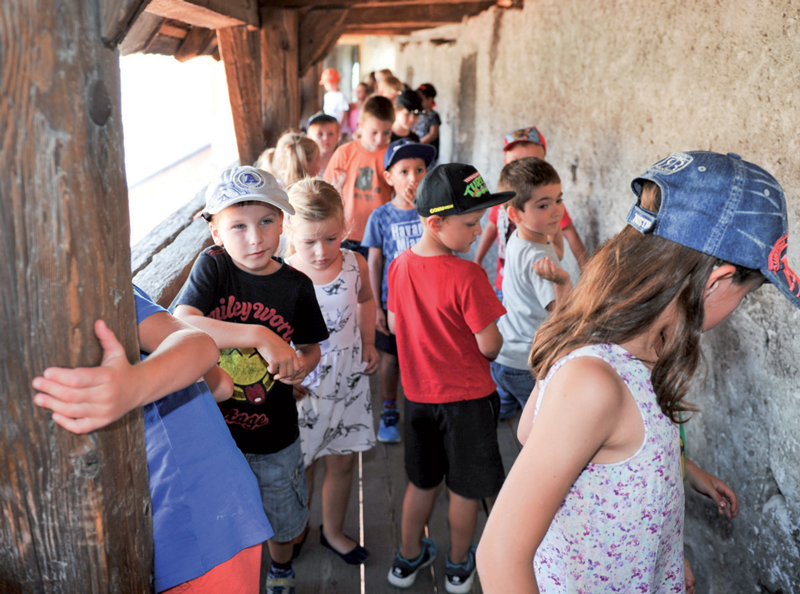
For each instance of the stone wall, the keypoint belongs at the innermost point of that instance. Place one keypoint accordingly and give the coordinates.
(614, 86)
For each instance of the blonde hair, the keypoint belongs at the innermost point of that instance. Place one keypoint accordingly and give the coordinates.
(392, 85)
(291, 158)
(314, 200)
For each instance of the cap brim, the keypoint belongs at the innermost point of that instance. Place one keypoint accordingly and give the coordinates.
(490, 200)
(781, 280)
(277, 203)
(426, 152)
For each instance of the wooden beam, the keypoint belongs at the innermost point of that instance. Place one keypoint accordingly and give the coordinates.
(319, 30)
(358, 3)
(76, 508)
(239, 48)
(195, 44)
(117, 18)
(383, 31)
(280, 83)
(143, 31)
(421, 16)
(211, 14)
(310, 93)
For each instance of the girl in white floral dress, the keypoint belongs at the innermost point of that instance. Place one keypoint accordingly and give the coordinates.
(594, 502)
(335, 416)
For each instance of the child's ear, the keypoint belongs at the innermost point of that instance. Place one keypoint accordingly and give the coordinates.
(434, 223)
(215, 233)
(388, 178)
(513, 213)
(726, 271)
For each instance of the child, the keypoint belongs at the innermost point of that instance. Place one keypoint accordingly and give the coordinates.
(427, 127)
(356, 170)
(407, 109)
(254, 306)
(295, 156)
(443, 311)
(390, 87)
(392, 228)
(362, 92)
(598, 482)
(527, 142)
(196, 471)
(336, 415)
(324, 130)
(334, 103)
(533, 284)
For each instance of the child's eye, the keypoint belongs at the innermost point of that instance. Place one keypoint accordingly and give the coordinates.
(240, 226)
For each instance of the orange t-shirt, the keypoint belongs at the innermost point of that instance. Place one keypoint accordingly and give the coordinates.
(364, 187)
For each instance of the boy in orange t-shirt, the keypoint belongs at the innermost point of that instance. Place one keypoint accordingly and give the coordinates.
(356, 169)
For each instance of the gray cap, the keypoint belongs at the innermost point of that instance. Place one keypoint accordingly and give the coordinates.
(240, 184)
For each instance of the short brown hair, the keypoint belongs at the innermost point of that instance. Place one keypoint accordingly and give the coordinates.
(379, 108)
(523, 176)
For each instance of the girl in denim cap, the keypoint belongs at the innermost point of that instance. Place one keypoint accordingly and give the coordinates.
(598, 481)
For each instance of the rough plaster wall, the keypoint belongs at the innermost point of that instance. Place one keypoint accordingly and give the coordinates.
(614, 86)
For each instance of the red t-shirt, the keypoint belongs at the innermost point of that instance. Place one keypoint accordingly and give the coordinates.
(439, 304)
(505, 227)
(364, 189)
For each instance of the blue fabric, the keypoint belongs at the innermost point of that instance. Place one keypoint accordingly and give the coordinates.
(206, 501)
(392, 231)
(513, 385)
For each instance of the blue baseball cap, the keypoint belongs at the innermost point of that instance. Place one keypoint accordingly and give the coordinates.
(408, 149)
(240, 184)
(723, 206)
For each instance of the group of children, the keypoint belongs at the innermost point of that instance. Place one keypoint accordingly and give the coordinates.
(373, 279)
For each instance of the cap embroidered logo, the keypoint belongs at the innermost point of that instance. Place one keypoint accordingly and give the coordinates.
(249, 179)
(778, 259)
(476, 187)
(672, 164)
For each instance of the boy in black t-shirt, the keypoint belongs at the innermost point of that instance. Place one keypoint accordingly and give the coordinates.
(256, 307)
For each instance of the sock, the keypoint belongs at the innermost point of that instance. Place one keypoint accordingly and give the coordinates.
(280, 569)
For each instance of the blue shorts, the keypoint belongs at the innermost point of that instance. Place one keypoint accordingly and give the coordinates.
(284, 490)
(512, 384)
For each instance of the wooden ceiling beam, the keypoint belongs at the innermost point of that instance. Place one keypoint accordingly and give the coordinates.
(319, 30)
(195, 44)
(141, 34)
(383, 31)
(117, 17)
(358, 3)
(210, 14)
(418, 16)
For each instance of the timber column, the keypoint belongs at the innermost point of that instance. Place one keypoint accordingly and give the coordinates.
(75, 509)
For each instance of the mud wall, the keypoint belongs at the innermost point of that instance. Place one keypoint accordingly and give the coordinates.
(614, 86)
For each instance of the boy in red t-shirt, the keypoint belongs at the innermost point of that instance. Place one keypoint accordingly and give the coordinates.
(443, 310)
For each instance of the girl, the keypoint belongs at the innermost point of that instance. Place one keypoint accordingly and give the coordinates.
(598, 480)
(335, 417)
(294, 157)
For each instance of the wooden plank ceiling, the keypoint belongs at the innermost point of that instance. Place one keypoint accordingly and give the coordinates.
(186, 29)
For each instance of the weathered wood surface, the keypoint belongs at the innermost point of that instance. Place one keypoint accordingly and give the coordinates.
(416, 16)
(75, 508)
(168, 269)
(311, 93)
(319, 30)
(241, 54)
(142, 32)
(280, 83)
(386, 4)
(211, 14)
(196, 43)
(117, 17)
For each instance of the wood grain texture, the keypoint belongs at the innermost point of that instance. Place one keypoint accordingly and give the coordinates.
(144, 30)
(195, 44)
(117, 17)
(280, 90)
(211, 14)
(241, 55)
(418, 16)
(319, 30)
(75, 509)
(311, 93)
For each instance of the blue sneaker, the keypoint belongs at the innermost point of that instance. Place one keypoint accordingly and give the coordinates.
(388, 430)
(280, 581)
(404, 571)
(459, 578)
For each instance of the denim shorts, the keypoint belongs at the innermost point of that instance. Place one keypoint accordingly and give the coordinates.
(284, 490)
(512, 383)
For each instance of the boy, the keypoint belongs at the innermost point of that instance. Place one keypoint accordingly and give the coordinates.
(407, 109)
(533, 284)
(208, 522)
(392, 228)
(356, 169)
(324, 130)
(443, 311)
(429, 122)
(334, 103)
(254, 305)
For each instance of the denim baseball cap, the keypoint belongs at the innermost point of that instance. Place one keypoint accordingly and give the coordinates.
(455, 188)
(240, 184)
(723, 206)
(408, 149)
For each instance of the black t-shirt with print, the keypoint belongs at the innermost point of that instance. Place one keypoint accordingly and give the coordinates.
(262, 414)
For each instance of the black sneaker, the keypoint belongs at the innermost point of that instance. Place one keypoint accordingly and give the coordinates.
(404, 571)
(459, 578)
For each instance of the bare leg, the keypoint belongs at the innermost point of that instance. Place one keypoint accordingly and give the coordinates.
(335, 495)
(280, 552)
(417, 508)
(463, 516)
(310, 480)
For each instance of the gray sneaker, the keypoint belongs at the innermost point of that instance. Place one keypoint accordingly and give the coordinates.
(404, 571)
(459, 578)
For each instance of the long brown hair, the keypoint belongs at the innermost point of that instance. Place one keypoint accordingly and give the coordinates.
(627, 284)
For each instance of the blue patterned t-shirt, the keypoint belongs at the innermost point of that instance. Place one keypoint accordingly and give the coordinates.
(392, 231)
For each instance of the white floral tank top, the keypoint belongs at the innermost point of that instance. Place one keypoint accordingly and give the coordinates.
(620, 527)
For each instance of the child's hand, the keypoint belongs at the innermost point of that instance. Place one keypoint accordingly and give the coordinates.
(714, 488)
(87, 398)
(410, 194)
(370, 356)
(381, 325)
(297, 377)
(548, 270)
(299, 392)
(339, 178)
(688, 576)
(281, 358)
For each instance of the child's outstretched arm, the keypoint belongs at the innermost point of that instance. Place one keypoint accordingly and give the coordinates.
(584, 399)
(490, 341)
(88, 398)
(488, 237)
(375, 263)
(366, 317)
(308, 355)
(562, 284)
(576, 244)
(281, 358)
(712, 487)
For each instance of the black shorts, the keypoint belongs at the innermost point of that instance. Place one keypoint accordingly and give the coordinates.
(456, 441)
(386, 343)
(355, 246)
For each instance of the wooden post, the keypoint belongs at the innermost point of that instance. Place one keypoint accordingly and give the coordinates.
(280, 80)
(75, 509)
(310, 93)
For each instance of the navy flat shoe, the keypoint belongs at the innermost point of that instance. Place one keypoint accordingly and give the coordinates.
(355, 557)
